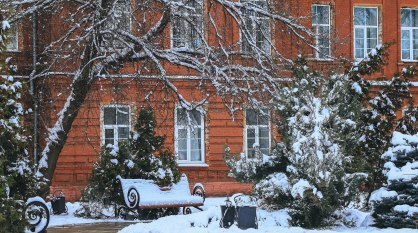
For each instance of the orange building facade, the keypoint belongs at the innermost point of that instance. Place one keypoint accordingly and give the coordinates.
(351, 28)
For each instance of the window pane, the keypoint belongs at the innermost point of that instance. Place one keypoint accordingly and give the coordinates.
(371, 43)
(405, 44)
(322, 14)
(195, 155)
(406, 54)
(109, 133)
(359, 16)
(250, 117)
(371, 16)
(314, 15)
(415, 44)
(182, 155)
(405, 18)
(372, 33)
(123, 115)
(359, 43)
(359, 33)
(250, 133)
(195, 133)
(250, 143)
(414, 18)
(109, 141)
(415, 33)
(181, 117)
(264, 143)
(123, 132)
(251, 153)
(263, 132)
(359, 53)
(405, 34)
(415, 55)
(182, 133)
(109, 115)
(264, 119)
(195, 144)
(195, 117)
(182, 145)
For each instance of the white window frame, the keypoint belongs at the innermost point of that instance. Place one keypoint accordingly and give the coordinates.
(319, 36)
(187, 38)
(364, 28)
(257, 130)
(116, 126)
(411, 44)
(189, 130)
(266, 38)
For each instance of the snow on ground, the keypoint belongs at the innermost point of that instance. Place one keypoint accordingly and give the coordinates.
(198, 222)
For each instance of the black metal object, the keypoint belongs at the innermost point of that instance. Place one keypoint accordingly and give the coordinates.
(247, 217)
(58, 203)
(228, 214)
(38, 216)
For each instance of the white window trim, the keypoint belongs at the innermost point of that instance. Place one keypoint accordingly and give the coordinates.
(365, 32)
(187, 45)
(114, 127)
(411, 50)
(317, 34)
(267, 37)
(202, 134)
(257, 138)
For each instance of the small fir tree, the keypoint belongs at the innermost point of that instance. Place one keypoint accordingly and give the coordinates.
(133, 159)
(394, 205)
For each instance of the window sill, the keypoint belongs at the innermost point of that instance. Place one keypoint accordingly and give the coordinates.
(407, 61)
(193, 165)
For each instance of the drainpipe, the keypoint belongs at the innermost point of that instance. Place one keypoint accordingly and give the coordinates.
(32, 86)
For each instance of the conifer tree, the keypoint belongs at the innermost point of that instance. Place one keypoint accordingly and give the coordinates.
(394, 205)
(133, 159)
(18, 182)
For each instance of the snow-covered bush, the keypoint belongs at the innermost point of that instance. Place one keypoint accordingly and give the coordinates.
(317, 119)
(133, 159)
(18, 181)
(395, 204)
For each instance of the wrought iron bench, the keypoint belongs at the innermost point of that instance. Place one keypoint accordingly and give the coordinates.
(144, 194)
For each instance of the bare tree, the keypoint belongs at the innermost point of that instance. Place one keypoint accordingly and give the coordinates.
(238, 50)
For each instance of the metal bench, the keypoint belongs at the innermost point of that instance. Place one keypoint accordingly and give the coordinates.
(145, 194)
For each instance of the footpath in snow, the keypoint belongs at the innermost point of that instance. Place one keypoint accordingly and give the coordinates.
(198, 221)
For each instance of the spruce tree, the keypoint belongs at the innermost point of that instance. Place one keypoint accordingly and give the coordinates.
(394, 205)
(133, 159)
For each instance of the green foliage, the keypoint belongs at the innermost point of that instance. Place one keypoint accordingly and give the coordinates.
(133, 159)
(18, 182)
(401, 190)
(378, 117)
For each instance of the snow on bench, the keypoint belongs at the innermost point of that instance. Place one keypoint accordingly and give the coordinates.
(144, 194)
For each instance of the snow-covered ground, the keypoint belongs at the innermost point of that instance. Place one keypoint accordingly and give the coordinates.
(198, 222)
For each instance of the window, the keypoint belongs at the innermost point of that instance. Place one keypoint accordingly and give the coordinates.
(321, 24)
(121, 21)
(257, 131)
(409, 34)
(365, 30)
(258, 27)
(116, 124)
(189, 132)
(187, 31)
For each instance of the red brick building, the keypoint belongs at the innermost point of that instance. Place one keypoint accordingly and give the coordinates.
(348, 28)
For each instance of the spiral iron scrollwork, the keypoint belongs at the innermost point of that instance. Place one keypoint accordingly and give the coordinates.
(38, 215)
(133, 198)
